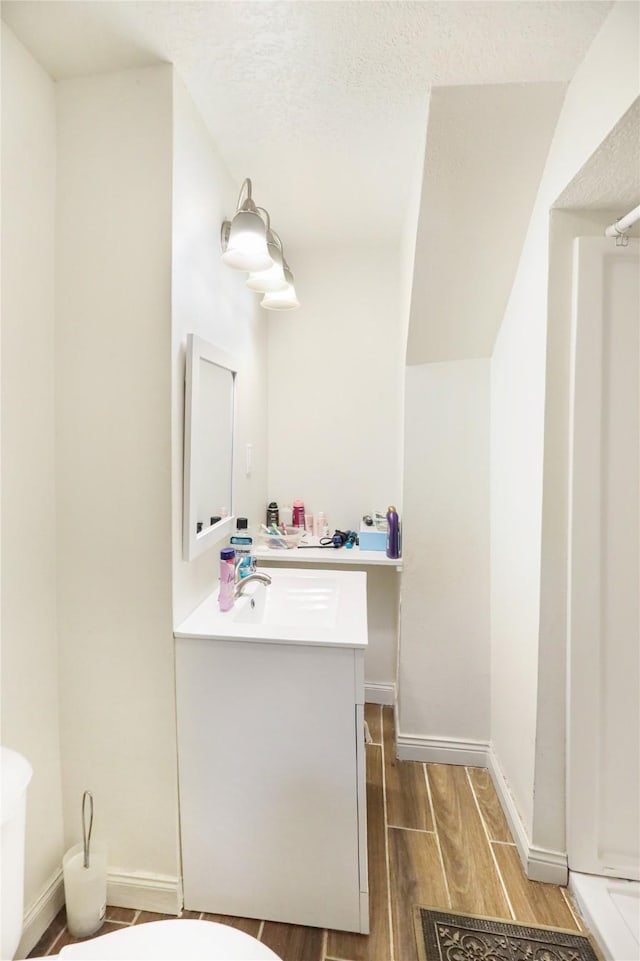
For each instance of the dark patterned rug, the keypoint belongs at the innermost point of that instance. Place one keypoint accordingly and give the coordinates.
(446, 936)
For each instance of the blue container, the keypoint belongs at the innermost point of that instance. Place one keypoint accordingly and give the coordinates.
(372, 540)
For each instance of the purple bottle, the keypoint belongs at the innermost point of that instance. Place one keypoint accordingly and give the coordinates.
(393, 533)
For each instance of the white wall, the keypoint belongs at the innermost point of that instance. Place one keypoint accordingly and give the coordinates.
(444, 646)
(486, 147)
(113, 423)
(408, 247)
(409, 239)
(335, 404)
(531, 751)
(479, 139)
(211, 300)
(30, 701)
(92, 442)
(335, 384)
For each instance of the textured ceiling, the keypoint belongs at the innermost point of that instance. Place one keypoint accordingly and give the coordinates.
(611, 177)
(323, 104)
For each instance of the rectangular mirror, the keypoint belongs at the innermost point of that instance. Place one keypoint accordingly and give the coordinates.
(210, 378)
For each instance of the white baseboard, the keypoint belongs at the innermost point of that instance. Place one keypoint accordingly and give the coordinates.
(145, 892)
(436, 750)
(380, 693)
(41, 914)
(540, 864)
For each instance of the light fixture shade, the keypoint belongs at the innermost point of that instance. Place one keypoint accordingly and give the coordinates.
(282, 299)
(247, 245)
(273, 279)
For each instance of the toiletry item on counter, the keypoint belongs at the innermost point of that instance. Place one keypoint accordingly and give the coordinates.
(352, 540)
(242, 535)
(376, 521)
(308, 523)
(227, 578)
(346, 539)
(242, 543)
(286, 516)
(321, 525)
(298, 514)
(284, 538)
(393, 534)
(372, 539)
(273, 515)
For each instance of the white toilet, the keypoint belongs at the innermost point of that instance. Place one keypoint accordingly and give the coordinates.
(171, 940)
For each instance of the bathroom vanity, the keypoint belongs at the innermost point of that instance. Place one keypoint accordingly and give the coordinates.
(270, 700)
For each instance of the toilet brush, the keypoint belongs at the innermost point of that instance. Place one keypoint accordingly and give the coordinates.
(86, 835)
(85, 879)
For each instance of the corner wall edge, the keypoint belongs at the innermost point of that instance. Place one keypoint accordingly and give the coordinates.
(540, 864)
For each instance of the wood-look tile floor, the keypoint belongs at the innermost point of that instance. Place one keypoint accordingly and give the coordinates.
(437, 837)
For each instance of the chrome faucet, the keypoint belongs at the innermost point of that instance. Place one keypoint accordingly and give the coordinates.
(257, 576)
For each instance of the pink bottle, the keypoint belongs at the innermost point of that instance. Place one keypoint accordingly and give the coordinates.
(298, 514)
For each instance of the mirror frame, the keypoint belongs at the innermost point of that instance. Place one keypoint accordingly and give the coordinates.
(194, 544)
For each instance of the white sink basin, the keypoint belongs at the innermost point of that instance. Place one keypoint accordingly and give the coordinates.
(300, 606)
(298, 601)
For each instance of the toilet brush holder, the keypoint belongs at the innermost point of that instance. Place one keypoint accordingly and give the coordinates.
(84, 870)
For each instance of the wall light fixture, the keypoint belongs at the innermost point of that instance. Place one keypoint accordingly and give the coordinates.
(249, 243)
(282, 299)
(273, 277)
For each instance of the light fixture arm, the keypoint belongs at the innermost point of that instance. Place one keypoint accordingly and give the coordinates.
(276, 237)
(277, 241)
(266, 217)
(246, 185)
(280, 245)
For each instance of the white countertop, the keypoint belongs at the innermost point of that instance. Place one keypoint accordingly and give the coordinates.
(325, 555)
(306, 607)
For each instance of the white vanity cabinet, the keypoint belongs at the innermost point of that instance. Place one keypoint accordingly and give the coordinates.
(272, 775)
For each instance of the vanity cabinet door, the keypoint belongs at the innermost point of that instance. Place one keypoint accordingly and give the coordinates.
(361, 777)
(269, 773)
